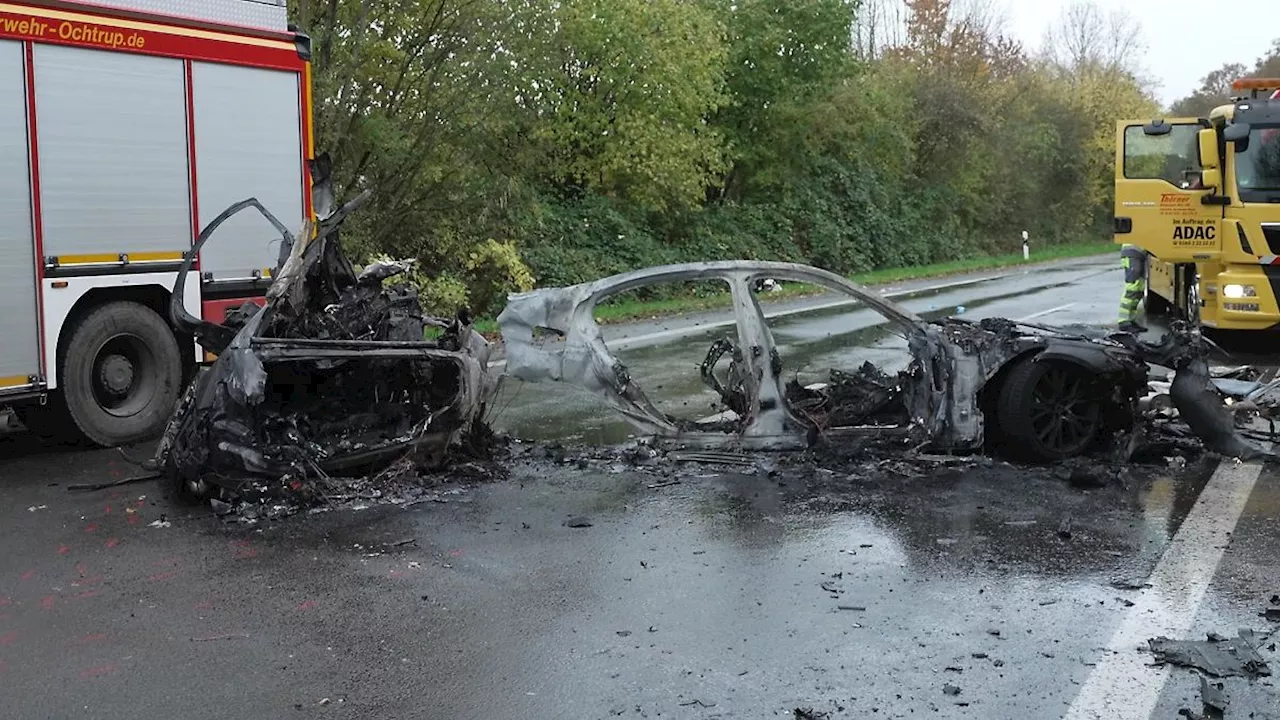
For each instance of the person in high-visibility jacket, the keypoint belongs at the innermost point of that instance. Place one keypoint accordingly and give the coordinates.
(1134, 261)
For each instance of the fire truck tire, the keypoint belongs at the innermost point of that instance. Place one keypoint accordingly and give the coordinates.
(122, 374)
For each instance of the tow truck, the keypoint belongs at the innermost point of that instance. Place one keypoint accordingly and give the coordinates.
(1202, 197)
(125, 127)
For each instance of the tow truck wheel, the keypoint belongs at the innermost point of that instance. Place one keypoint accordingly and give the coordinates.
(122, 374)
(1192, 310)
(1048, 410)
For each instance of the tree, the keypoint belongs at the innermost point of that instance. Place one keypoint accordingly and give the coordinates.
(1086, 38)
(1215, 88)
(626, 88)
(783, 55)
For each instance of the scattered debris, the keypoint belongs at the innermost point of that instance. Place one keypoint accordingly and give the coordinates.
(853, 608)
(161, 523)
(1216, 655)
(577, 522)
(1064, 527)
(809, 714)
(951, 690)
(697, 703)
(1130, 584)
(1213, 697)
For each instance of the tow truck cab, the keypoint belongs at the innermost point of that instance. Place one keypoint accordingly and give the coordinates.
(1202, 197)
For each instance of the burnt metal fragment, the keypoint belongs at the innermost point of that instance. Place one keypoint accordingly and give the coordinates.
(1216, 656)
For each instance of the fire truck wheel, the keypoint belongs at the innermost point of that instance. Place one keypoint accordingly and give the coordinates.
(122, 374)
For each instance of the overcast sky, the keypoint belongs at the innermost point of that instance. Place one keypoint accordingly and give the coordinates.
(1236, 31)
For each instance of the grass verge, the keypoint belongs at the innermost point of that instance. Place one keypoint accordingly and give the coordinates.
(627, 309)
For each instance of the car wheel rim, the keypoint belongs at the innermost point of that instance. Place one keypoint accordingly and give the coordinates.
(1064, 415)
(123, 375)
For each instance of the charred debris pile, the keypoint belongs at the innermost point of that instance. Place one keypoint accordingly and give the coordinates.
(328, 391)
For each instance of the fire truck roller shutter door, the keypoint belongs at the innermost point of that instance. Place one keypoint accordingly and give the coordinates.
(113, 152)
(248, 144)
(19, 323)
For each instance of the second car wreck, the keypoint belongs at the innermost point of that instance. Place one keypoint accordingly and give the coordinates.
(1035, 392)
(331, 376)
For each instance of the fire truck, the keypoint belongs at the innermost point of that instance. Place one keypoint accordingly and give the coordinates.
(125, 127)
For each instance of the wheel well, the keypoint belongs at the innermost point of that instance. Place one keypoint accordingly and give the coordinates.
(991, 388)
(154, 297)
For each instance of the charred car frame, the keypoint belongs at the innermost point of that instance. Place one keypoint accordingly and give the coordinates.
(1034, 392)
(332, 375)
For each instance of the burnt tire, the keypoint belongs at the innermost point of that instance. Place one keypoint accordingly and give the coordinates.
(121, 374)
(1048, 411)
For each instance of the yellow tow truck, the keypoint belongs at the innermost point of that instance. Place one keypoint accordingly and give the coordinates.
(1202, 197)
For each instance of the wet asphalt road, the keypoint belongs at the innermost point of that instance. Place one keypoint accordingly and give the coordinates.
(702, 599)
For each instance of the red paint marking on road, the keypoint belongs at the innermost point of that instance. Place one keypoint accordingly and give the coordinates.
(455, 553)
(115, 495)
(89, 580)
(164, 575)
(99, 671)
(204, 606)
(245, 552)
(47, 602)
(112, 542)
(106, 510)
(64, 549)
(5, 601)
(91, 528)
(8, 638)
(29, 574)
(397, 574)
(133, 519)
(98, 637)
(141, 502)
(87, 594)
(82, 569)
(307, 605)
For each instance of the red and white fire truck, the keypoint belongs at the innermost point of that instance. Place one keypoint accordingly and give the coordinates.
(125, 127)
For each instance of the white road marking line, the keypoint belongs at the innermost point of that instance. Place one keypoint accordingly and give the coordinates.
(1042, 313)
(677, 333)
(1123, 686)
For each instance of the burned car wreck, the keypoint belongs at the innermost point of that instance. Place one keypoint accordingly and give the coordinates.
(332, 376)
(1030, 392)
